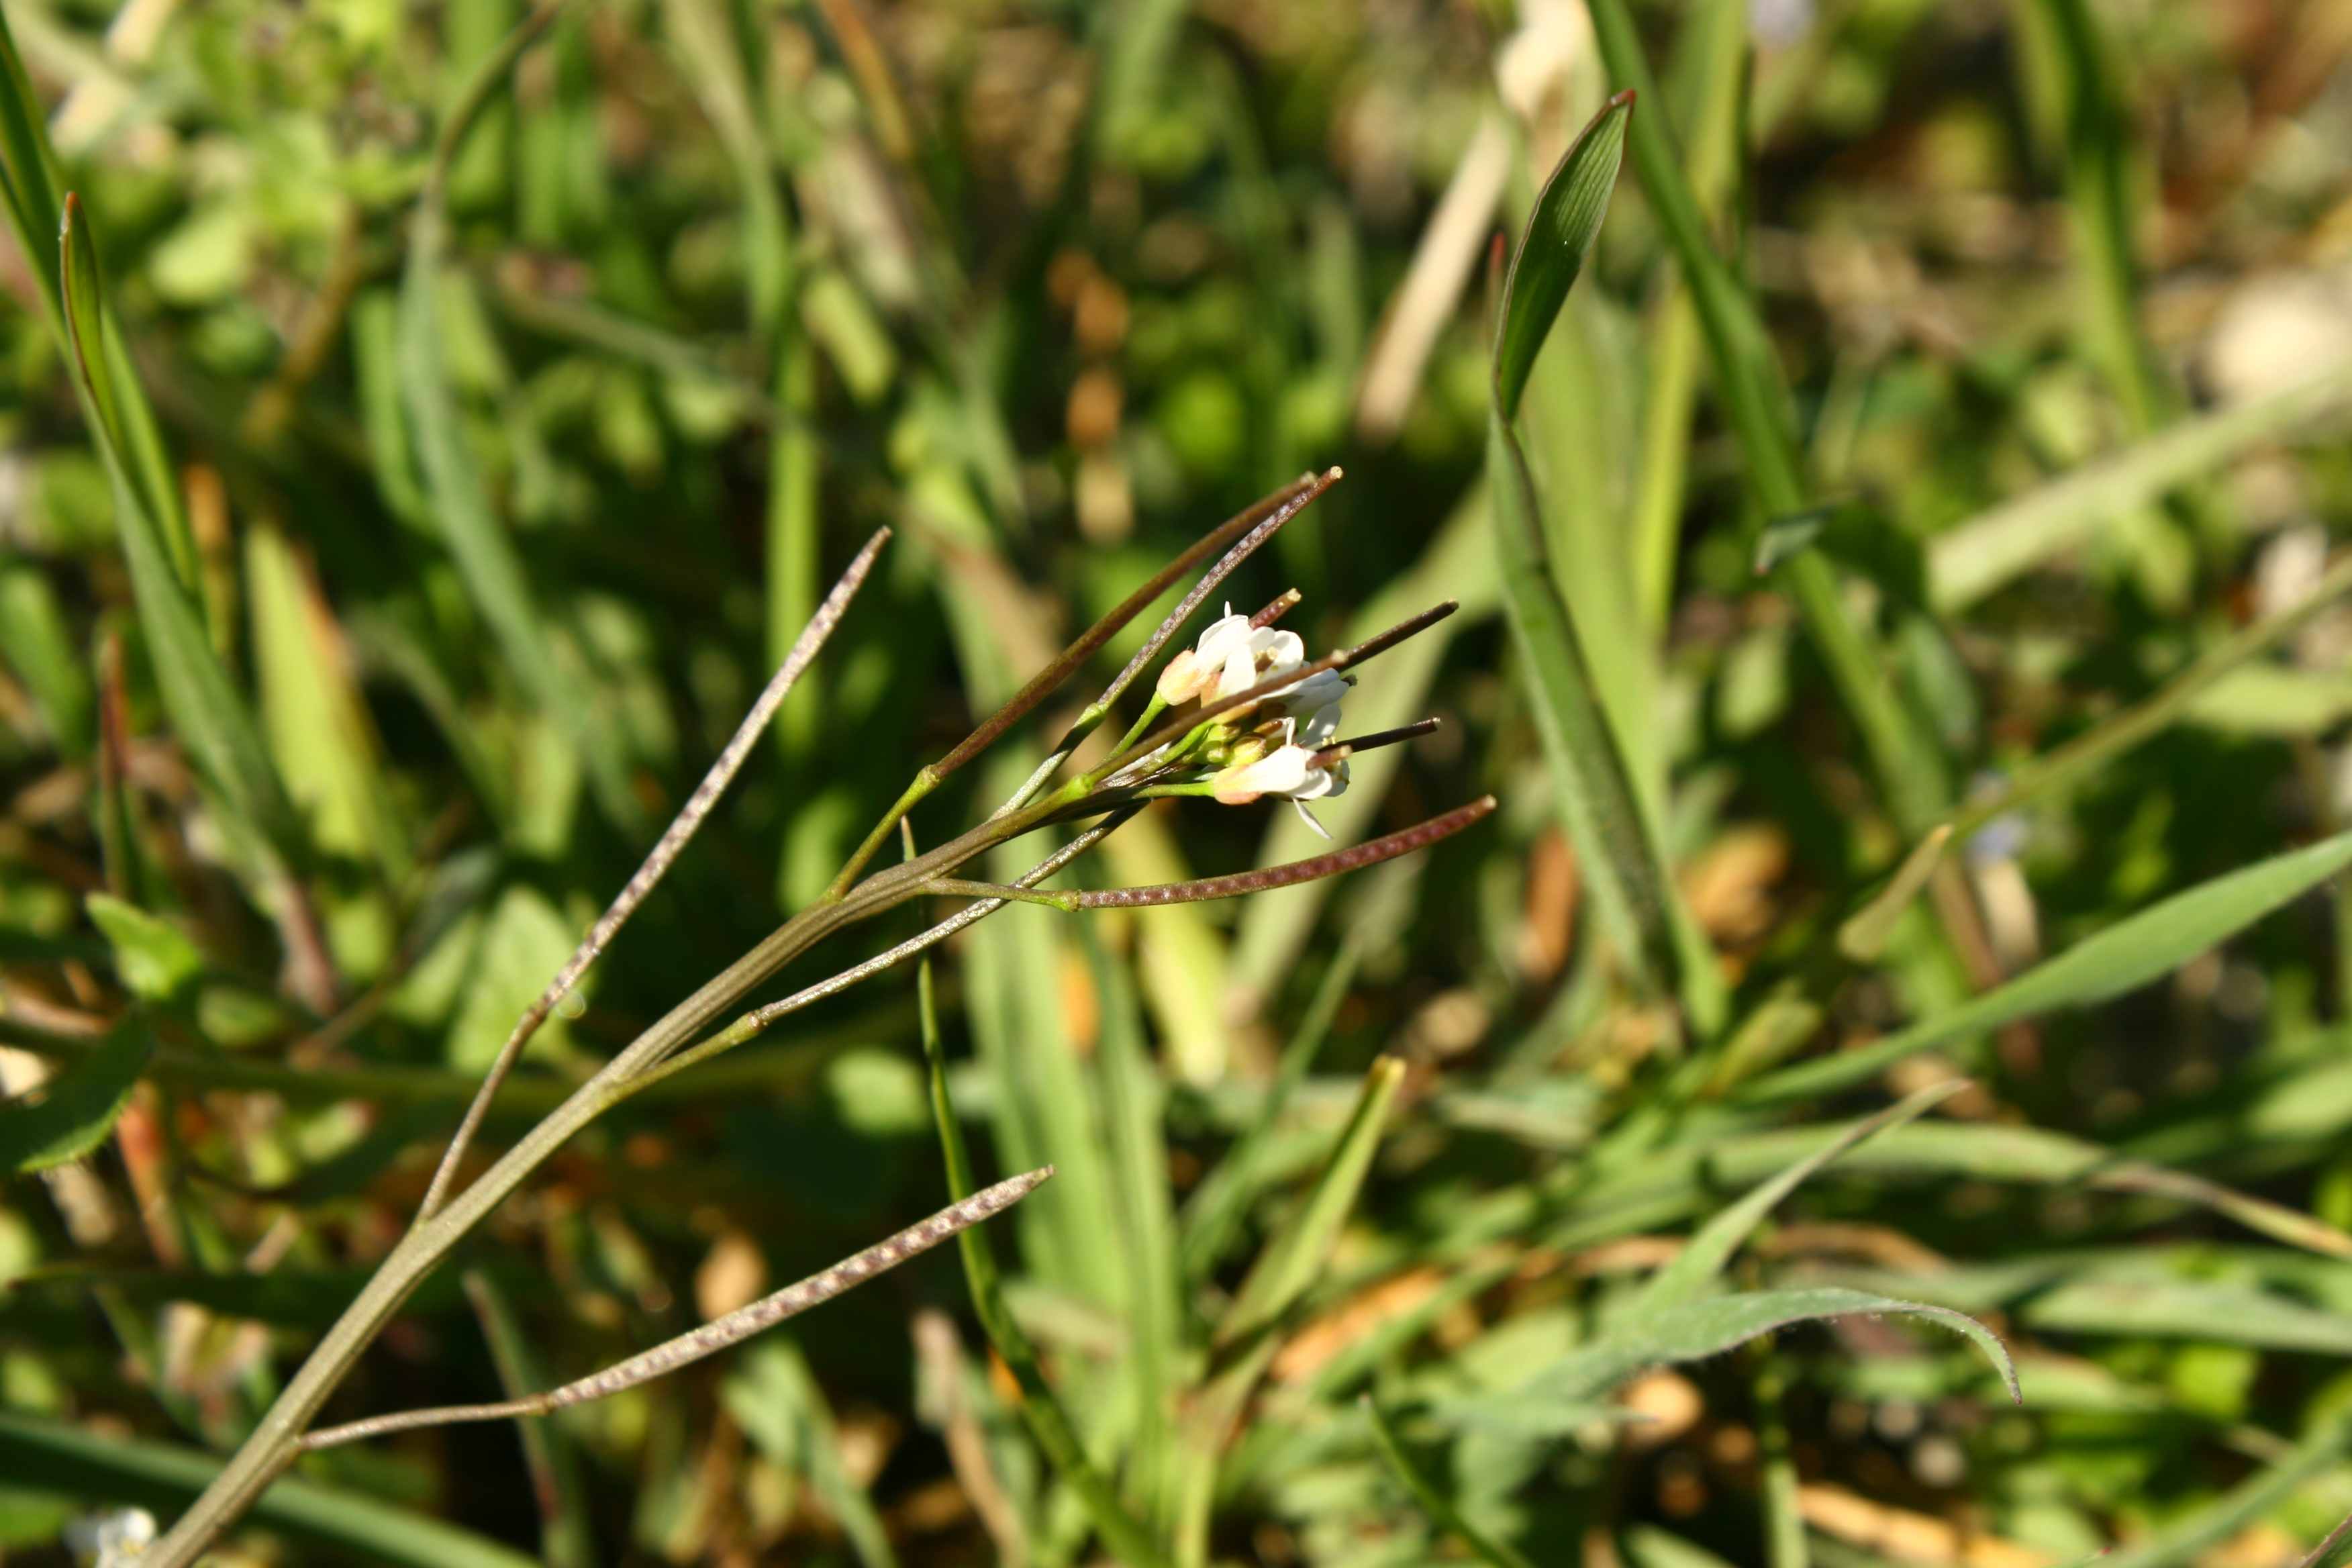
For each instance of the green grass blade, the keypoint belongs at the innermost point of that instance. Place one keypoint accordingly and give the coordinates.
(35, 644)
(48, 1455)
(1133, 1117)
(71, 1114)
(2126, 955)
(1616, 847)
(198, 694)
(1558, 237)
(1748, 376)
(1041, 1408)
(1696, 1266)
(1296, 1255)
(1434, 1502)
(1972, 559)
(567, 1529)
(1694, 1331)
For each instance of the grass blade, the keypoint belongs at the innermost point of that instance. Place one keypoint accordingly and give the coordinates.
(1040, 1408)
(1433, 1502)
(2126, 955)
(198, 694)
(1552, 248)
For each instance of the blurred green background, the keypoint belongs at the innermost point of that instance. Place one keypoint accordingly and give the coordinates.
(489, 492)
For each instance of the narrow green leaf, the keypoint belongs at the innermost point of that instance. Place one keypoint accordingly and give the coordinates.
(1617, 849)
(1559, 234)
(71, 1114)
(198, 693)
(1967, 561)
(1862, 936)
(1695, 1267)
(1294, 1256)
(567, 1529)
(1041, 1409)
(154, 959)
(1694, 1331)
(1433, 1501)
(50, 1456)
(2126, 955)
(35, 644)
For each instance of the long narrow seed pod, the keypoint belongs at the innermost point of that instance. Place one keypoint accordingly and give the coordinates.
(1419, 837)
(656, 865)
(720, 1332)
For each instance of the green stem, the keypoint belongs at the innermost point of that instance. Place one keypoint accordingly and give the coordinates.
(1128, 1540)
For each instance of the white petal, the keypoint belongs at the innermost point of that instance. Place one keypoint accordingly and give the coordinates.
(1308, 817)
(1239, 674)
(1322, 723)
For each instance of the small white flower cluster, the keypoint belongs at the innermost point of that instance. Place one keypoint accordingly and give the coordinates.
(114, 1540)
(1279, 754)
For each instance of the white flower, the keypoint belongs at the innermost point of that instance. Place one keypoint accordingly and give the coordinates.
(108, 1540)
(1231, 657)
(1290, 770)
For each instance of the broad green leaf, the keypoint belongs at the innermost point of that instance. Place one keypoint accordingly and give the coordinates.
(2125, 957)
(71, 1114)
(1560, 233)
(1694, 1331)
(1695, 1267)
(50, 1456)
(154, 959)
(198, 694)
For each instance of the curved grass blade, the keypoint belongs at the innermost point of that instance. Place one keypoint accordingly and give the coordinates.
(198, 694)
(2127, 954)
(1599, 805)
(1694, 1331)
(1559, 236)
(1433, 1502)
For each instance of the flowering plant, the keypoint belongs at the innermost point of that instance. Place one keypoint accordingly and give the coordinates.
(1240, 715)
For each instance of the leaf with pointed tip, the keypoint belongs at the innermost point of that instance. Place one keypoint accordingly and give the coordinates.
(1696, 1266)
(154, 959)
(1559, 234)
(1694, 1331)
(2126, 955)
(202, 700)
(71, 1114)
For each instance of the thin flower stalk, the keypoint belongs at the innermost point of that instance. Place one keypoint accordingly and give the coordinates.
(756, 1022)
(720, 1332)
(656, 865)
